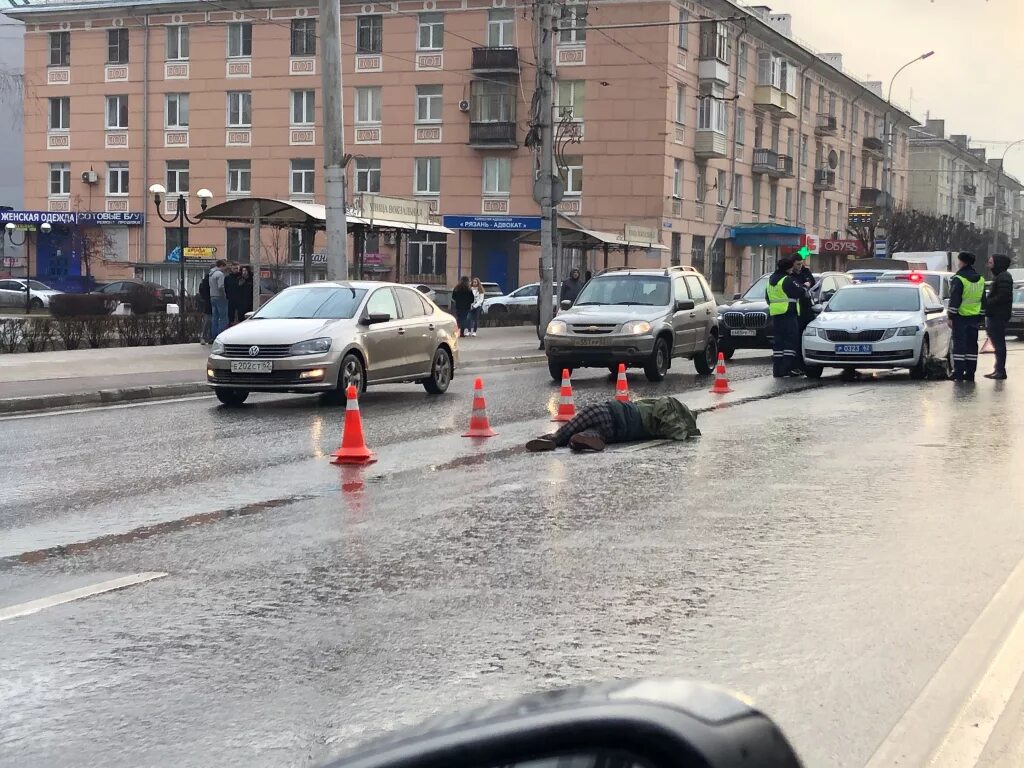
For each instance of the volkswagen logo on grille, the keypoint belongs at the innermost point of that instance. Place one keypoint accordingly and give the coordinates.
(254, 351)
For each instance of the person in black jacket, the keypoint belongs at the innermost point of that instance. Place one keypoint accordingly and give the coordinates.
(206, 307)
(966, 308)
(462, 299)
(804, 278)
(998, 310)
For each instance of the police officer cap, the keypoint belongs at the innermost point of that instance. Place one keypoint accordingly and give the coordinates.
(967, 258)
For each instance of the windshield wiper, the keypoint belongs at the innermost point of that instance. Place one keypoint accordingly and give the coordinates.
(585, 303)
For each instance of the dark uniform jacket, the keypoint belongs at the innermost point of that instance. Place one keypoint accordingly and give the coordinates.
(999, 302)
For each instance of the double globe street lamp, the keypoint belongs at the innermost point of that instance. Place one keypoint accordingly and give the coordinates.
(45, 229)
(158, 191)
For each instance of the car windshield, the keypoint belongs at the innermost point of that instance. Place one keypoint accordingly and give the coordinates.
(1018, 294)
(756, 291)
(35, 285)
(646, 290)
(1017, 273)
(864, 299)
(312, 303)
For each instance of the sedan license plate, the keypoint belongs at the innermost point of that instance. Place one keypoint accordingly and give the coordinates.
(588, 342)
(853, 349)
(742, 333)
(252, 366)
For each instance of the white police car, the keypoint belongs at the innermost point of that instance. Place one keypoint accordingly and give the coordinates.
(878, 325)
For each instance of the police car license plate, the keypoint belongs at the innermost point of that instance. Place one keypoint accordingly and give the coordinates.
(853, 349)
(252, 366)
(743, 333)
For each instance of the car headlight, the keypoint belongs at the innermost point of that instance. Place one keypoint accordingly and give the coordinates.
(636, 327)
(557, 328)
(908, 330)
(217, 348)
(311, 347)
(809, 331)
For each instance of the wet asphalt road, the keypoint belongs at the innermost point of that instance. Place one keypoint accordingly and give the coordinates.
(816, 550)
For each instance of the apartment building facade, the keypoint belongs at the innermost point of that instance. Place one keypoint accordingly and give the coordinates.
(724, 135)
(950, 178)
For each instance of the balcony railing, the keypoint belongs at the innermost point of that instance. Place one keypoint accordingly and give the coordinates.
(824, 179)
(874, 145)
(765, 161)
(492, 135)
(827, 125)
(970, 190)
(785, 167)
(505, 59)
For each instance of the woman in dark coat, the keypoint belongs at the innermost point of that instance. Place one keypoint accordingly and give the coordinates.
(243, 295)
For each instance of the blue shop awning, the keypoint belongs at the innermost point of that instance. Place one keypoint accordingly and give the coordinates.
(755, 234)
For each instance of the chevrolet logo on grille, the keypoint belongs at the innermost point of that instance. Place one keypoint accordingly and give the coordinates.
(593, 329)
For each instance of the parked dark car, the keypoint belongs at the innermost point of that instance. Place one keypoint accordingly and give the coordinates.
(745, 323)
(142, 296)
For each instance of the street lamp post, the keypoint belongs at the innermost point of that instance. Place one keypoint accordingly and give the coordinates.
(999, 178)
(45, 229)
(181, 217)
(889, 133)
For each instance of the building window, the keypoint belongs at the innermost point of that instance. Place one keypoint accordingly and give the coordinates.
(828, 214)
(855, 118)
(370, 34)
(737, 192)
(303, 37)
(172, 241)
(427, 171)
(806, 93)
(741, 127)
(303, 107)
(743, 60)
(714, 41)
(711, 114)
(572, 174)
(803, 150)
(60, 114)
(239, 177)
(239, 241)
(573, 28)
(176, 110)
(801, 212)
(570, 98)
(430, 32)
(493, 101)
(677, 179)
(789, 204)
(497, 175)
(702, 183)
(427, 254)
(368, 105)
(683, 36)
(117, 178)
(177, 177)
(177, 43)
(368, 175)
(428, 103)
(720, 185)
(239, 109)
(822, 96)
(680, 104)
(501, 28)
(769, 70)
(117, 112)
(303, 176)
(239, 40)
(117, 46)
(60, 49)
(60, 179)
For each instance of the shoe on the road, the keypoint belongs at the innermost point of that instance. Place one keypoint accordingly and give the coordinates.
(997, 375)
(586, 443)
(540, 445)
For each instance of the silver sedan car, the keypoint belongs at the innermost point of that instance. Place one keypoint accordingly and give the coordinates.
(326, 336)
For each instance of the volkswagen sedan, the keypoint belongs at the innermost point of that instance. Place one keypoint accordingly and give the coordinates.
(326, 336)
(878, 325)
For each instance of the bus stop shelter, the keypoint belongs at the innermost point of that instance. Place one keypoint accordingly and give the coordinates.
(571, 235)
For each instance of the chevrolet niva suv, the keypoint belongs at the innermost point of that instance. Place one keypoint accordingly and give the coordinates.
(640, 317)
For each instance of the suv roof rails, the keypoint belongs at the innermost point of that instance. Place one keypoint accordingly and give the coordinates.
(665, 271)
(681, 268)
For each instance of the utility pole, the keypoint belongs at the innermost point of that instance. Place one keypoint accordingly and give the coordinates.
(543, 192)
(334, 140)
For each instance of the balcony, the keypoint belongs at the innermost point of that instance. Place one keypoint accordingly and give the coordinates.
(827, 125)
(824, 180)
(968, 190)
(869, 197)
(713, 70)
(765, 161)
(709, 144)
(493, 135)
(874, 147)
(492, 60)
(785, 167)
(775, 100)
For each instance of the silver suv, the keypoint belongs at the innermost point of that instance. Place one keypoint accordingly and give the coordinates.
(640, 317)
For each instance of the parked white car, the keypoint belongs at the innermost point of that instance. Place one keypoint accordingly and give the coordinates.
(521, 301)
(878, 325)
(12, 293)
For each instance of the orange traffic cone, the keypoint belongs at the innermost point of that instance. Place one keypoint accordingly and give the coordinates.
(721, 386)
(987, 348)
(621, 387)
(353, 448)
(479, 426)
(566, 406)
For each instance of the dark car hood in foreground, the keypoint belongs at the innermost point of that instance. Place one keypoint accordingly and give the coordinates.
(744, 305)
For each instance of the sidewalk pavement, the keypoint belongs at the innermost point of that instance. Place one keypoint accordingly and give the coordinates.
(40, 380)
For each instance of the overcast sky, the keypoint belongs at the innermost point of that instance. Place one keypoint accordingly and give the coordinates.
(975, 80)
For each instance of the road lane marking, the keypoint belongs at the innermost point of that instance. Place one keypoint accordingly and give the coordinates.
(991, 648)
(34, 606)
(103, 407)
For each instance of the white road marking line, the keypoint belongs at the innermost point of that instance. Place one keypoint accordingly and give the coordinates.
(103, 407)
(973, 727)
(34, 606)
(934, 716)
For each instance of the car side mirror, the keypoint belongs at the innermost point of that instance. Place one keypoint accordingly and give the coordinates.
(933, 310)
(736, 296)
(827, 295)
(248, 315)
(650, 723)
(684, 304)
(565, 304)
(375, 317)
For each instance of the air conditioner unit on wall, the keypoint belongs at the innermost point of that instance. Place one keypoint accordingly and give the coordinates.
(90, 177)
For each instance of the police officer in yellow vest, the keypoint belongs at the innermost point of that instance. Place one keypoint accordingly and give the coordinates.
(966, 311)
(783, 295)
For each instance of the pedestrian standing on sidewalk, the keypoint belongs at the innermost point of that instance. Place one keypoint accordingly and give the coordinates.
(783, 295)
(207, 309)
(218, 298)
(966, 307)
(231, 291)
(462, 299)
(243, 295)
(571, 288)
(999, 310)
(596, 425)
(479, 294)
